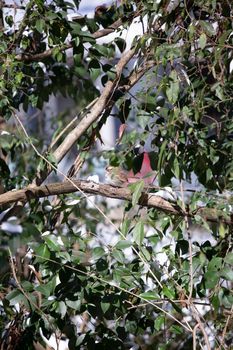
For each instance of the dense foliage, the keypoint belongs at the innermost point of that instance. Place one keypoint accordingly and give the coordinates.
(127, 277)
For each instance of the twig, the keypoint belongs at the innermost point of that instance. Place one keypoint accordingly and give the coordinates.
(189, 302)
(99, 107)
(194, 336)
(225, 329)
(72, 122)
(190, 244)
(31, 302)
(78, 132)
(200, 325)
(95, 277)
(71, 182)
(92, 115)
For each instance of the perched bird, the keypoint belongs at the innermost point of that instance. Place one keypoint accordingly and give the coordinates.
(116, 176)
(120, 177)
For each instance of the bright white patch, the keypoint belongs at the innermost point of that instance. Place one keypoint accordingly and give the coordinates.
(48, 208)
(94, 178)
(73, 202)
(231, 66)
(46, 233)
(11, 227)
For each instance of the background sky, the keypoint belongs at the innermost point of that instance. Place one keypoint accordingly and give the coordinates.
(87, 7)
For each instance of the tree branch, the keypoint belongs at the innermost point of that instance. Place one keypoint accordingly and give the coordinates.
(32, 192)
(90, 117)
(104, 101)
(150, 200)
(47, 53)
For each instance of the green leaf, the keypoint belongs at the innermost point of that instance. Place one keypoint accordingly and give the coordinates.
(159, 322)
(161, 157)
(138, 233)
(146, 254)
(208, 27)
(219, 92)
(137, 189)
(125, 227)
(215, 264)
(120, 44)
(98, 252)
(42, 253)
(227, 273)
(118, 255)
(94, 73)
(176, 168)
(123, 244)
(229, 258)
(105, 306)
(80, 71)
(27, 286)
(202, 41)
(149, 296)
(168, 292)
(61, 309)
(73, 304)
(211, 279)
(87, 37)
(76, 29)
(103, 50)
(173, 91)
(51, 158)
(80, 339)
(52, 242)
(40, 24)
(45, 289)
(176, 329)
(16, 297)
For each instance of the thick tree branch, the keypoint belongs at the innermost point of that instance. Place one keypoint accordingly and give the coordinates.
(93, 114)
(150, 200)
(31, 192)
(105, 100)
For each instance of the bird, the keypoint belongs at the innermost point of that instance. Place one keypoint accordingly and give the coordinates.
(116, 176)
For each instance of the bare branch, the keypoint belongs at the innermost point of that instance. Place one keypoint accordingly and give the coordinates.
(202, 328)
(104, 101)
(32, 192)
(93, 114)
(225, 329)
(147, 199)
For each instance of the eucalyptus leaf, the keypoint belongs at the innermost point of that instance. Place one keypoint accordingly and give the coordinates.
(138, 233)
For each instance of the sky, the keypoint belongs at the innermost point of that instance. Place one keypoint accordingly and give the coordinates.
(87, 7)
